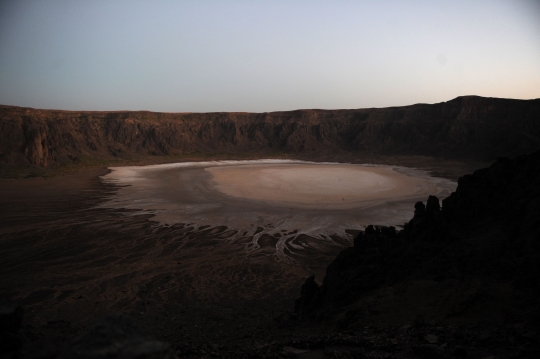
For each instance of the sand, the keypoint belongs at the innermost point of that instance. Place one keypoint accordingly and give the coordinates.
(331, 186)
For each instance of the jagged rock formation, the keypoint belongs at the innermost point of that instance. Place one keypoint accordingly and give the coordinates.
(468, 127)
(485, 237)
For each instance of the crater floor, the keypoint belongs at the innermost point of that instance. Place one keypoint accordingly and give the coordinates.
(276, 195)
(177, 245)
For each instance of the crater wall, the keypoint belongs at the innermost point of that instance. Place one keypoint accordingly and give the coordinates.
(468, 127)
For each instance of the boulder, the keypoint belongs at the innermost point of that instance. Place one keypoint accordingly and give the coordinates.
(11, 316)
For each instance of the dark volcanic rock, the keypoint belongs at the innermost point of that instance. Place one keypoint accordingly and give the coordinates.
(504, 190)
(11, 316)
(468, 127)
(486, 237)
(309, 295)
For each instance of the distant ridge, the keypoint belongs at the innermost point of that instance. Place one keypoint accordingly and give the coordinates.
(465, 128)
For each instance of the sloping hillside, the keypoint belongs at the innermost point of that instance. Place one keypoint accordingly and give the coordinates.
(464, 128)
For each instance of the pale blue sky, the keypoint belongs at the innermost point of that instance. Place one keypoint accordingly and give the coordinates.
(257, 56)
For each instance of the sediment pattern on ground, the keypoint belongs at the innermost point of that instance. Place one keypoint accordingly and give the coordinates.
(68, 263)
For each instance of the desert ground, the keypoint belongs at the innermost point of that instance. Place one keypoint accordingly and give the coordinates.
(74, 248)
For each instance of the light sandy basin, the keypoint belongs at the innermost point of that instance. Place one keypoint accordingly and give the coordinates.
(329, 186)
(318, 199)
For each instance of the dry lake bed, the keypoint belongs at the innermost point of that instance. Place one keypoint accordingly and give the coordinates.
(318, 199)
(209, 250)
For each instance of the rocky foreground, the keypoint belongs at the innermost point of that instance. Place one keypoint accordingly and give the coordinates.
(461, 281)
(463, 278)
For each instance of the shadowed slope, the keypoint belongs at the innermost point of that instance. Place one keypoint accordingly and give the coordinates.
(477, 259)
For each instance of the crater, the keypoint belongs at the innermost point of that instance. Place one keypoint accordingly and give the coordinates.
(274, 196)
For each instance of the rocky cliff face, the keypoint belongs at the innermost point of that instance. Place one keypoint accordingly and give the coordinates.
(464, 128)
(480, 254)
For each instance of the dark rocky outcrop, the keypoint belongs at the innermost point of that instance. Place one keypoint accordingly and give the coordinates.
(486, 237)
(11, 316)
(468, 127)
